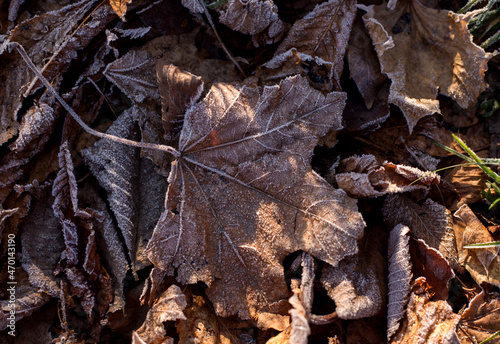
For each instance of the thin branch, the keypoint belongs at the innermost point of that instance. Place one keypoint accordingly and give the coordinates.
(31, 65)
(209, 18)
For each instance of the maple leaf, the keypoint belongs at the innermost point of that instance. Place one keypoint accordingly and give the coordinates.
(242, 195)
(424, 50)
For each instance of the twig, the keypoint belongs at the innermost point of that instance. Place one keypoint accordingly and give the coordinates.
(77, 118)
(209, 18)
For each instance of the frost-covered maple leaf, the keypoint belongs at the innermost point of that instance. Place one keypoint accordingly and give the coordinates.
(242, 195)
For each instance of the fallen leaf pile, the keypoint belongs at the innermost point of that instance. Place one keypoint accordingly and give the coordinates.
(245, 178)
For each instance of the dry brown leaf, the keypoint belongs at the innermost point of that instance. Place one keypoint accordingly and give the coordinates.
(179, 90)
(363, 63)
(300, 325)
(251, 17)
(243, 195)
(319, 40)
(119, 6)
(202, 325)
(484, 263)
(399, 277)
(357, 285)
(427, 322)
(481, 318)
(429, 263)
(423, 51)
(135, 191)
(168, 307)
(363, 176)
(430, 222)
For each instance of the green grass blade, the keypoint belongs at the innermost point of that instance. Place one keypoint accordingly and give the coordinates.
(484, 245)
(477, 159)
(468, 6)
(493, 336)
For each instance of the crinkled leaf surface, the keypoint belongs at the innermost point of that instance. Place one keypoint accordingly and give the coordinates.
(135, 191)
(399, 276)
(423, 51)
(251, 16)
(362, 176)
(242, 195)
(484, 263)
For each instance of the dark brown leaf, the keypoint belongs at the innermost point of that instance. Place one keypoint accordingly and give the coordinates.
(427, 322)
(424, 50)
(243, 195)
(363, 176)
(178, 90)
(399, 277)
(481, 319)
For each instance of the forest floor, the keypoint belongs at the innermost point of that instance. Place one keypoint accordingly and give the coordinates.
(249, 171)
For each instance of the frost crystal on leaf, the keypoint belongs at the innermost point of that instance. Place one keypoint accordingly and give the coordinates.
(243, 195)
(399, 277)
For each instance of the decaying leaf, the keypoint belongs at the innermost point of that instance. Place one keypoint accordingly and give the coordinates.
(429, 221)
(399, 277)
(179, 90)
(168, 307)
(481, 319)
(363, 63)
(363, 176)
(423, 50)
(319, 40)
(426, 321)
(484, 263)
(119, 6)
(135, 191)
(242, 195)
(300, 324)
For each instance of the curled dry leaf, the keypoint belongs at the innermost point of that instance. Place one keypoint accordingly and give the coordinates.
(427, 322)
(483, 263)
(429, 221)
(242, 196)
(300, 325)
(168, 307)
(481, 319)
(423, 50)
(399, 277)
(363, 63)
(119, 6)
(319, 40)
(363, 176)
(179, 90)
(135, 191)
(429, 263)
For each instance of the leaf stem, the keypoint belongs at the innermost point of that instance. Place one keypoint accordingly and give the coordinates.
(77, 118)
